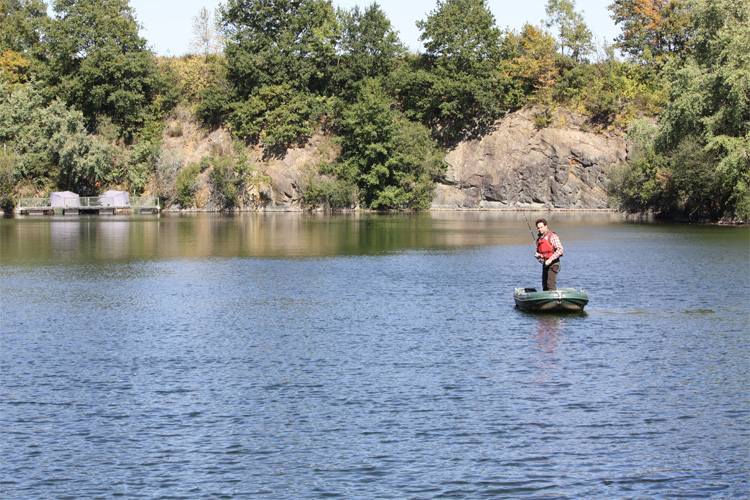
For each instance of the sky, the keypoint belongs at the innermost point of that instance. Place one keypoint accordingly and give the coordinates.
(167, 24)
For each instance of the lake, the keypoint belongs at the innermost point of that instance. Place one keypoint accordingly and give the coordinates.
(363, 356)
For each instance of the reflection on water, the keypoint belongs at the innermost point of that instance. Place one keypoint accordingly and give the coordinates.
(548, 340)
(271, 234)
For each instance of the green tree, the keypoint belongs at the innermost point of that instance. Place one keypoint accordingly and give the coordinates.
(22, 23)
(575, 36)
(276, 116)
(460, 34)
(709, 97)
(274, 42)
(368, 48)
(643, 183)
(392, 161)
(51, 141)
(456, 86)
(8, 161)
(99, 65)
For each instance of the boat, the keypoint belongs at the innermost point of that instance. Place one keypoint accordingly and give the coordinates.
(560, 300)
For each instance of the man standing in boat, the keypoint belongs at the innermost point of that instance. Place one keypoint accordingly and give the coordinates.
(549, 249)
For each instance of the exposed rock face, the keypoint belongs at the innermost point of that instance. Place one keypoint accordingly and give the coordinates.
(288, 171)
(519, 165)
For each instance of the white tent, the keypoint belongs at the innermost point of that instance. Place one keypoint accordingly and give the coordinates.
(114, 199)
(64, 199)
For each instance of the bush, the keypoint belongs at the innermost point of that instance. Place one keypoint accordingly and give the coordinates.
(186, 185)
(327, 193)
(167, 168)
(225, 182)
(8, 161)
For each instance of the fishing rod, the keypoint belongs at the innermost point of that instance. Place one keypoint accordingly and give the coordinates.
(529, 226)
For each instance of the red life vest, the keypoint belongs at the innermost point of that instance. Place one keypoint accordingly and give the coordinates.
(543, 246)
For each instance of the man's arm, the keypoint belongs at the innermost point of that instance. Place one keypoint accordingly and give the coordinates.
(557, 245)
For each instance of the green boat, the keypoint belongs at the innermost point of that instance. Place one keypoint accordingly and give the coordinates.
(560, 300)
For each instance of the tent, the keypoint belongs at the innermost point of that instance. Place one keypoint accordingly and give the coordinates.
(64, 199)
(114, 199)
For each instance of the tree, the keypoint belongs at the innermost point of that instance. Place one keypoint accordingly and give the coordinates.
(530, 57)
(51, 141)
(21, 25)
(702, 142)
(98, 64)
(460, 33)
(456, 86)
(276, 116)
(14, 67)
(205, 40)
(574, 35)
(710, 96)
(274, 42)
(651, 29)
(392, 161)
(368, 47)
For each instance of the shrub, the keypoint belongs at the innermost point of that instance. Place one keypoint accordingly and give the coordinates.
(186, 185)
(225, 182)
(327, 193)
(8, 161)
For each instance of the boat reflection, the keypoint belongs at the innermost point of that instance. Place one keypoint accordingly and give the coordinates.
(548, 343)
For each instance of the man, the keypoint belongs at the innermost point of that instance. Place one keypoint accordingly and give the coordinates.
(549, 249)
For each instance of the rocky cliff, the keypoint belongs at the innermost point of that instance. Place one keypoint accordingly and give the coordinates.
(516, 165)
(522, 165)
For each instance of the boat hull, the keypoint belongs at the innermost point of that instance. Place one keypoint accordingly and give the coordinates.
(560, 300)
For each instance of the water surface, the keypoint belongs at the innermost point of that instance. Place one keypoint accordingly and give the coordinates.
(298, 356)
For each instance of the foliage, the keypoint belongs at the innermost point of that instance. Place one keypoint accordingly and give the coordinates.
(698, 191)
(652, 30)
(14, 68)
(392, 161)
(193, 75)
(225, 182)
(639, 185)
(610, 92)
(83, 100)
(276, 116)
(530, 62)
(274, 42)
(186, 184)
(22, 23)
(51, 140)
(574, 35)
(368, 48)
(456, 87)
(98, 64)
(215, 103)
(8, 160)
(327, 193)
(168, 165)
(709, 95)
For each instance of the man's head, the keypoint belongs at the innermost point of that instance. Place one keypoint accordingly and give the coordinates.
(541, 225)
